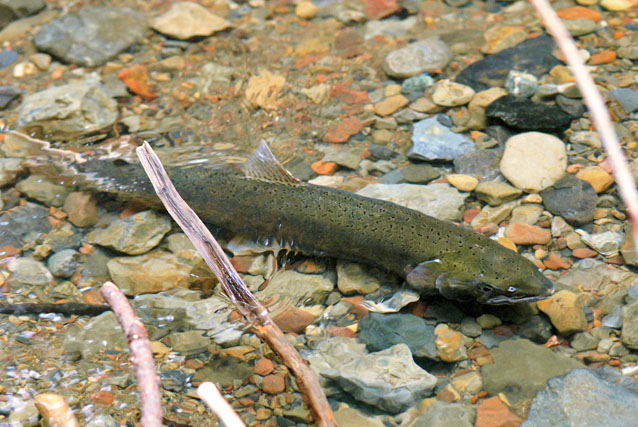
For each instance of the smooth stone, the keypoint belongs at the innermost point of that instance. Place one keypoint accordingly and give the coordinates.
(433, 141)
(67, 111)
(537, 329)
(224, 370)
(628, 52)
(488, 321)
(390, 105)
(522, 368)
(153, 272)
(525, 234)
(24, 224)
(526, 115)
(470, 327)
(566, 311)
(496, 193)
(91, 36)
(355, 278)
(8, 94)
(29, 272)
(499, 38)
(598, 177)
(627, 97)
(186, 20)
(63, 263)
(462, 182)
(450, 344)
(520, 83)
(527, 214)
(447, 93)
(134, 235)
(81, 208)
(426, 55)
(416, 83)
(571, 198)
(347, 416)
(583, 341)
(482, 164)
(187, 343)
(580, 27)
(441, 201)
(444, 414)
(307, 289)
(629, 333)
(381, 331)
(43, 190)
(607, 243)
(101, 333)
(617, 5)
(11, 10)
(388, 379)
(534, 56)
(388, 27)
(412, 174)
(614, 319)
(585, 398)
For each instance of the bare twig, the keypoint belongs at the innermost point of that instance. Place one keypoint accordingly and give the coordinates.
(141, 356)
(597, 109)
(234, 288)
(68, 309)
(213, 398)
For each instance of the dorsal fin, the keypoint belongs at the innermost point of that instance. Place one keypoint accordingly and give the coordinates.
(263, 165)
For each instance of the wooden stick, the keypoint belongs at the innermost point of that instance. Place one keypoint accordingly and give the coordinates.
(234, 287)
(141, 355)
(209, 393)
(597, 110)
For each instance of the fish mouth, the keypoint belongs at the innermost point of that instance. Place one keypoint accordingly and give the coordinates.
(546, 292)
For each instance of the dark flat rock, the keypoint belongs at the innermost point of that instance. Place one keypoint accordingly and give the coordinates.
(8, 94)
(571, 198)
(527, 115)
(10, 10)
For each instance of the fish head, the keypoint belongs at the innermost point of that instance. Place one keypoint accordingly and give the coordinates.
(494, 275)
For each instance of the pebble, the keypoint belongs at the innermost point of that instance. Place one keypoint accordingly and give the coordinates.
(493, 214)
(24, 69)
(607, 243)
(533, 161)
(520, 83)
(308, 289)
(63, 263)
(627, 97)
(493, 412)
(445, 414)
(342, 130)
(188, 343)
(354, 278)
(441, 201)
(306, 10)
(81, 208)
(583, 341)
(629, 334)
(580, 27)
(21, 224)
(450, 344)
(185, 20)
(8, 94)
(25, 414)
(41, 60)
(496, 193)
(524, 234)
(101, 333)
(447, 93)
(134, 235)
(390, 105)
(426, 55)
(500, 37)
(488, 321)
(526, 115)
(482, 164)
(571, 198)
(527, 214)
(433, 141)
(68, 111)
(292, 319)
(43, 190)
(462, 182)
(617, 5)
(153, 272)
(29, 272)
(412, 174)
(91, 36)
(347, 416)
(566, 312)
(417, 83)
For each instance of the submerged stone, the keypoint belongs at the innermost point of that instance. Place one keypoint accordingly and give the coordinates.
(527, 115)
(433, 141)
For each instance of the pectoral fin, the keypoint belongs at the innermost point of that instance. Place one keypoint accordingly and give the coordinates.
(424, 276)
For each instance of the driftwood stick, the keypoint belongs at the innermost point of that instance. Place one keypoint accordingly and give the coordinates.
(68, 309)
(209, 393)
(232, 285)
(141, 355)
(597, 110)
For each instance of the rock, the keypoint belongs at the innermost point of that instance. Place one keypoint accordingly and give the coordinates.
(628, 52)
(451, 94)
(24, 413)
(470, 327)
(153, 272)
(342, 130)
(354, 278)
(585, 137)
(492, 412)
(64, 263)
(629, 334)
(571, 198)
(534, 56)
(462, 182)
(413, 174)
(23, 224)
(524, 234)
(520, 83)
(439, 200)
(433, 141)
(526, 115)
(627, 97)
(500, 37)
(330, 355)
(443, 414)
(382, 331)
(29, 272)
(187, 343)
(426, 55)
(417, 83)
(223, 370)
(598, 177)
(101, 333)
(388, 379)
(488, 321)
(580, 27)
(390, 105)
(527, 214)
(274, 384)
(81, 208)
(591, 274)
(347, 159)
(7, 57)
(91, 36)
(347, 416)
(389, 27)
(537, 329)
(583, 341)
(521, 368)
(606, 403)
(482, 164)
(617, 5)
(573, 107)
(11, 10)
(134, 235)
(292, 319)
(68, 111)
(306, 9)
(299, 288)
(496, 193)
(566, 311)
(102, 420)
(186, 20)
(43, 190)
(607, 243)
(450, 344)
(493, 215)
(8, 94)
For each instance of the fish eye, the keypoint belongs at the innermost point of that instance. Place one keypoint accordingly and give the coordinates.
(511, 289)
(485, 288)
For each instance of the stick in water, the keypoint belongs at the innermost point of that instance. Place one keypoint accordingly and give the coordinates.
(209, 393)
(234, 287)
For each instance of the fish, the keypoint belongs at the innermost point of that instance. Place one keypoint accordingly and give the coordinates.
(266, 203)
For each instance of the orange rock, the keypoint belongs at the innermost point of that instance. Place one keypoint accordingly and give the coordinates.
(584, 253)
(604, 57)
(93, 297)
(343, 130)
(358, 308)
(377, 9)
(493, 413)
(390, 105)
(555, 262)
(291, 319)
(597, 176)
(349, 96)
(81, 208)
(525, 234)
(504, 241)
(102, 398)
(566, 311)
(264, 366)
(324, 168)
(336, 331)
(469, 215)
(136, 80)
(275, 383)
(579, 12)
(487, 229)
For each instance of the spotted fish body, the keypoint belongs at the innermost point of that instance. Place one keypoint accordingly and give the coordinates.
(266, 203)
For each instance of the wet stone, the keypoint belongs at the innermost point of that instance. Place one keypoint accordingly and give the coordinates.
(102, 420)
(496, 193)
(134, 235)
(101, 333)
(63, 263)
(614, 318)
(583, 341)
(186, 20)
(187, 343)
(526, 115)
(443, 414)
(347, 416)
(223, 371)
(573, 107)
(571, 198)
(43, 190)
(566, 312)
(470, 327)
(423, 56)
(381, 331)
(605, 403)
(433, 141)
(23, 224)
(627, 97)
(537, 329)
(29, 272)
(173, 380)
(450, 344)
(521, 84)
(355, 278)
(482, 164)
(607, 243)
(417, 83)
(68, 111)
(308, 289)
(8, 94)
(451, 94)
(629, 334)
(25, 414)
(413, 174)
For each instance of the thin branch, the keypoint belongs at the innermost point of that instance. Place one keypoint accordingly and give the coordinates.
(141, 355)
(68, 309)
(209, 393)
(234, 287)
(597, 110)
